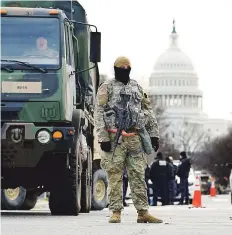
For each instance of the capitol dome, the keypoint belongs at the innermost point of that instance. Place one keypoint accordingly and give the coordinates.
(173, 83)
(174, 87)
(174, 57)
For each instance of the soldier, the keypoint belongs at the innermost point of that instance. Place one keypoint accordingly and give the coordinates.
(183, 172)
(160, 174)
(147, 177)
(172, 182)
(42, 49)
(125, 187)
(130, 152)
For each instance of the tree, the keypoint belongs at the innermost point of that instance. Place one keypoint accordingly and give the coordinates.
(216, 157)
(167, 146)
(191, 137)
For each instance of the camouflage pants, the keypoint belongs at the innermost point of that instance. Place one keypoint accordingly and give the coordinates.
(128, 154)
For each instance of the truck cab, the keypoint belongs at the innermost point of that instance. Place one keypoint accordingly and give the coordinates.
(46, 100)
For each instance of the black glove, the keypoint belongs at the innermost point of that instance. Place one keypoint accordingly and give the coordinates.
(155, 143)
(106, 146)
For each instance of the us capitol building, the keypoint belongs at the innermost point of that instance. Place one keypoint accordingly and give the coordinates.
(173, 85)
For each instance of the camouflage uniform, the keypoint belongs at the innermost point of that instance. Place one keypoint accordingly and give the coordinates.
(129, 153)
(46, 53)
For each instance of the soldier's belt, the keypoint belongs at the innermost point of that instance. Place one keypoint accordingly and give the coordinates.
(123, 132)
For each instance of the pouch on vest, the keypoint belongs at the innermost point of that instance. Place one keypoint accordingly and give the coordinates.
(109, 118)
(146, 141)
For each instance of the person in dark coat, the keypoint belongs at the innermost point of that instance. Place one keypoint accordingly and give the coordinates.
(159, 174)
(183, 173)
(125, 186)
(172, 182)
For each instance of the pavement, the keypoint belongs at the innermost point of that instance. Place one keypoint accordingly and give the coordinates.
(215, 217)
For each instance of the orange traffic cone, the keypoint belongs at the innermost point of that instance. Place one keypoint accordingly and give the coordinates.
(212, 189)
(197, 193)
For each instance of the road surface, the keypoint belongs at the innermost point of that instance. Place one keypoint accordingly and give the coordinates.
(214, 218)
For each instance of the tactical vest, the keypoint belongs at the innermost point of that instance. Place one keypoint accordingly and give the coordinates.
(136, 114)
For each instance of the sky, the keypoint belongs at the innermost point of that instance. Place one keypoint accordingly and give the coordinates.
(140, 30)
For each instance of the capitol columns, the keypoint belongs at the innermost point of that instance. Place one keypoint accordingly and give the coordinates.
(168, 100)
(189, 101)
(200, 102)
(163, 100)
(182, 100)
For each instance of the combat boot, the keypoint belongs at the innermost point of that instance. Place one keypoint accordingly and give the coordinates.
(146, 217)
(116, 217)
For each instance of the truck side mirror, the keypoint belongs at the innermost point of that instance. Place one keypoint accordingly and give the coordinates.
(95, 47)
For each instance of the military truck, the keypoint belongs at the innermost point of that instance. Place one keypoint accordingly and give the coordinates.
(49, 80)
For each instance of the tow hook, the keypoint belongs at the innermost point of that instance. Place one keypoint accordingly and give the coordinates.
(16, 135)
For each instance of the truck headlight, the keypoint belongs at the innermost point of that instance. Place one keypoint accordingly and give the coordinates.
(43, 137)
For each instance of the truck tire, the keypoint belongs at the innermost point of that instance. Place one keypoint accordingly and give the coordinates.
(18, 199)
(30, 201)
(65, 198)
(86, 190)
(100, 185)
(13, 199)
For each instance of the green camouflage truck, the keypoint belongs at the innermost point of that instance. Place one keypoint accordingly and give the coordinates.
(49, 80)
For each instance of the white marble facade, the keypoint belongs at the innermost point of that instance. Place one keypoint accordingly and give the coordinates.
(173, 84)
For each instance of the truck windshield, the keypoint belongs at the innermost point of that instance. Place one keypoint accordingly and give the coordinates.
(32, 40)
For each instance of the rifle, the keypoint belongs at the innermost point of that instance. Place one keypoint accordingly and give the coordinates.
(122, 113)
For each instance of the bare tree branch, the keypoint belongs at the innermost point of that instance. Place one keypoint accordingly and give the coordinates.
(190, 137)
(166, 143)
(216, 157)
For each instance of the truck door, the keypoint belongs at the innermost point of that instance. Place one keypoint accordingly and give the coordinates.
(70, 71)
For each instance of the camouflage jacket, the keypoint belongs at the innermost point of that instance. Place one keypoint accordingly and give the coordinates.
(46, 53)
(108, 93)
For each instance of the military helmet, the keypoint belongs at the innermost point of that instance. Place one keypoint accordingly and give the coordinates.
(122, 60)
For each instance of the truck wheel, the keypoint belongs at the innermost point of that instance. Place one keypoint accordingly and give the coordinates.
(13, 199)
(30, 201)
(65, 198)
(100, 185)
(86, 183)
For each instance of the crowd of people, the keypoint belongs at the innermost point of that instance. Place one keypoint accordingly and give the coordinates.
(162, 174)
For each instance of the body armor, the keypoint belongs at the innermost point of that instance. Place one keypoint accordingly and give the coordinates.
(136, 117)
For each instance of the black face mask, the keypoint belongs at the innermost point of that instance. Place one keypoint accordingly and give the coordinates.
(122, 75)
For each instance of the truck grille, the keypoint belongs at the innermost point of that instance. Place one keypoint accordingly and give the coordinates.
(8, 152)
(9, 115)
